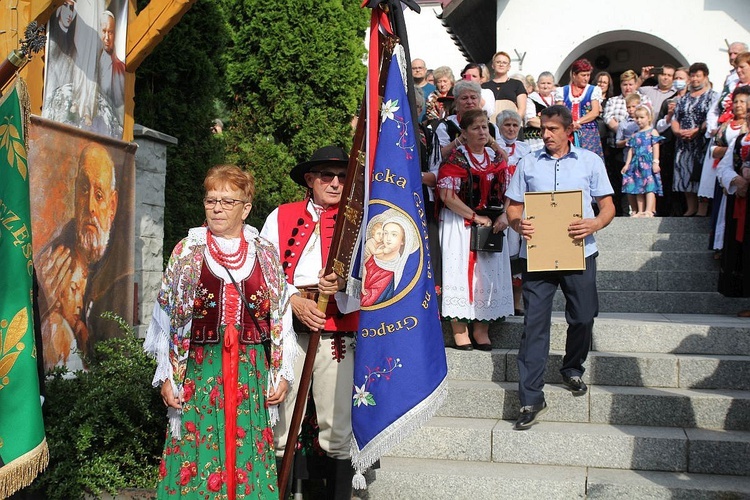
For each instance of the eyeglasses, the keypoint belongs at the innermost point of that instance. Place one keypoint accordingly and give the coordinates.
(327, 176)
(225, 203)
(502, 63)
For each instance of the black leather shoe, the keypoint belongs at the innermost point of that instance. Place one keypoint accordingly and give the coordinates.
(575, 385)
(483, 347)
(465, 347)
(528, 416)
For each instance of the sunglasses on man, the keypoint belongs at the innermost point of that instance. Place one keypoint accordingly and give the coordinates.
(327, 176)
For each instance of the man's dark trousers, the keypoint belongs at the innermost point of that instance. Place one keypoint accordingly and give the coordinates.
(582, 306)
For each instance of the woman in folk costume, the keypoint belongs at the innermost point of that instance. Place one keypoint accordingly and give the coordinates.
(734, 175)
(221, 334)
(585, 103)
(476, 285)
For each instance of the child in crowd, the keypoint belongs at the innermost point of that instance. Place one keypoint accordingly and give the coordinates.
(640, 175)
(628, 126)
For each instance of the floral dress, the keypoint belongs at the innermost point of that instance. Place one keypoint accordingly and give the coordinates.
(690, 112)
(224, 375)
(223, 356)
(640, 177)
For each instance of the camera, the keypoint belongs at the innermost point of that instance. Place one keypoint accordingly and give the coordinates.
(656, 71)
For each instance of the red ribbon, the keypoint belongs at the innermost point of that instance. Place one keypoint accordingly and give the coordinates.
(229, 367)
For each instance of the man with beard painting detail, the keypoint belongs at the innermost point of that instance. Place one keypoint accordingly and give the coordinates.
(73, 267)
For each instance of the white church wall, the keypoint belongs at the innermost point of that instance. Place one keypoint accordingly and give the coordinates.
(429, 41)
(553, 34)
(689, 30)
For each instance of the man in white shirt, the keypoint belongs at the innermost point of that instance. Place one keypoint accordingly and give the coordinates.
(303, 233)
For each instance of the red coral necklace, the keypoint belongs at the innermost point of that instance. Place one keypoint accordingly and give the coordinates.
(233, 260)
(479, 165)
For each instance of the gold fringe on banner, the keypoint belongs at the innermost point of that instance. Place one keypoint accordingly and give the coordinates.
(22, 471)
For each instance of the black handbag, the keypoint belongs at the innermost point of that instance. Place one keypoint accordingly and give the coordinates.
(483, 239)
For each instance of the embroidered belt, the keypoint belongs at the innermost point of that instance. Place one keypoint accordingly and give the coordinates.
(203, 335)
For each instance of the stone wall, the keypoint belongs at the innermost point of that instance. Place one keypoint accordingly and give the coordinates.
(150, 179)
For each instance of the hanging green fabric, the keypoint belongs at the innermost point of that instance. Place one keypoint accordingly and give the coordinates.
(23, 448)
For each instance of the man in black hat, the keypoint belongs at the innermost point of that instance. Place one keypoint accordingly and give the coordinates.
(303, 232)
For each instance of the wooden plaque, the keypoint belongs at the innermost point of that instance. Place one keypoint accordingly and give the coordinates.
(550, 248)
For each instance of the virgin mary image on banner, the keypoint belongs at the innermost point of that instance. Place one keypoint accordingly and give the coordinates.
(84, 83)
(392, 239)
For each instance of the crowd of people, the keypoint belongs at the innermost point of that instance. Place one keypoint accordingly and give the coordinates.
(231, 319)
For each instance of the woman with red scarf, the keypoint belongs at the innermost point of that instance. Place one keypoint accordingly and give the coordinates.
(476, 285)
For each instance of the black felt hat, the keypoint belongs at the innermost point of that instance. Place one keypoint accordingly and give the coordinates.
(326, 154)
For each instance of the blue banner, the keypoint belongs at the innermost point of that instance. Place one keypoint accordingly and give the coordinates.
(400, 367)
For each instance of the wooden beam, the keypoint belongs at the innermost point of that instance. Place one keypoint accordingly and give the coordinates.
(150, 27)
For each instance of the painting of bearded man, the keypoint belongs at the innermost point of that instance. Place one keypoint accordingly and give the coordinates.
(85, 262)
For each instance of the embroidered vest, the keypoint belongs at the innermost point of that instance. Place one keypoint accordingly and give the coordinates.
(584, 105)
(469, 193)
(208, 317)
(296, 228)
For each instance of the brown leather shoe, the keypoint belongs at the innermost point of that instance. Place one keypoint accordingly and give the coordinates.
(745, 313)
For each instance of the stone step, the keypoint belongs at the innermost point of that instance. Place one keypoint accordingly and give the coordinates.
(618, 484)
(615, 260)
(665, 281)
(427, 479)
(581, 445)
(624, 447)
(608, 241)
(685, 371)
(665, 225)
(662, 302)
(667, 407)
(639, 332)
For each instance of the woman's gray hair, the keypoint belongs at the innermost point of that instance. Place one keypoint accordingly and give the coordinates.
(463, 86)
(508, 114)
(546, 74)
(443, 72)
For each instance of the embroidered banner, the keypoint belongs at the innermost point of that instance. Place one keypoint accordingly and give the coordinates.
(400, 367)
(23, 447)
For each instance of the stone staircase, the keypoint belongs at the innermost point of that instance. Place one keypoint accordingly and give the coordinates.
(667, 414)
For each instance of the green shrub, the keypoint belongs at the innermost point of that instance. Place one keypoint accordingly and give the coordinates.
(105, 427)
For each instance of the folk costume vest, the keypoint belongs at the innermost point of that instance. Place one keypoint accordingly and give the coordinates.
(209, 320)
(296, 228)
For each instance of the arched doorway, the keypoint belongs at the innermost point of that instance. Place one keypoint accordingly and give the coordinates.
(618, 51)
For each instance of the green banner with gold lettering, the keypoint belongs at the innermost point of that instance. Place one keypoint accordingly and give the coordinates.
(23, 448)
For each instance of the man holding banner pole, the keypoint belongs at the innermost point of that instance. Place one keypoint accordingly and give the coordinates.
(303, 233)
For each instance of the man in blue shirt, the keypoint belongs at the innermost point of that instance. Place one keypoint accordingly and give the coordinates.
(560, 166)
